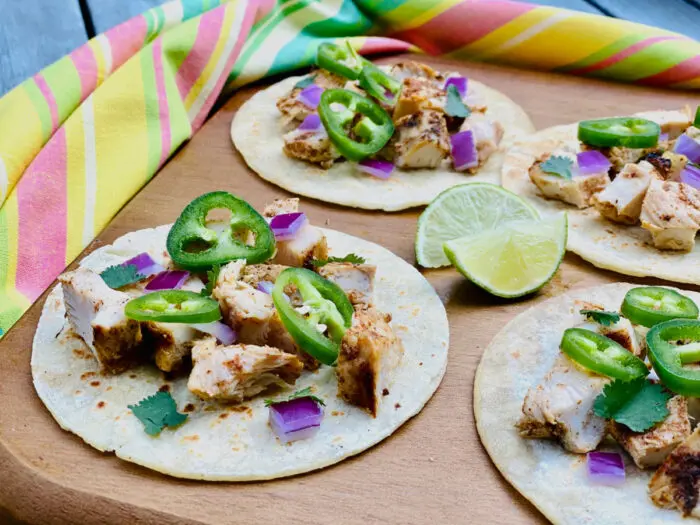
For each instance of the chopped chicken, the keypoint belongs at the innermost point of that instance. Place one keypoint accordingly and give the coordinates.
(419, 94)
(369, 353)
(561, 407)
(252, 314)
(238, 372)
(667, 163)
(356, 280)
(676, 484)
(254, 274)
(622, 332)
(281, 206)
(693, 132)
(410, 69)
(671, 213)
(96, 314)
(294, 109)
(487, 135)
(421, 140)
(172, 343)
(621, 201)
(312, 146)
(578, 190)
(651, 448)
(674, 122)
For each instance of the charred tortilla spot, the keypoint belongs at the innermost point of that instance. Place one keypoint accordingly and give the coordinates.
(385, 392)
(101, 404)
(94, 383)
(164, 388)
(223, 416)
(87, 375)
(189, 407)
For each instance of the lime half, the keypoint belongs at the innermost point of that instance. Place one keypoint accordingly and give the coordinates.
(514, 260)
(467, 209)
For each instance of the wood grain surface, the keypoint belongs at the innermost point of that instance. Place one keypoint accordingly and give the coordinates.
(432, 470)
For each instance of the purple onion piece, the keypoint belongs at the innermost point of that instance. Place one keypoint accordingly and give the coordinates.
(605, 468)
(223, 332)
(691, 176)
(296, 419)
(310, 96)
(168, 280)
(265, 286)
(592, 161)
(460, 83)
(287, 225)
(311, 123)
(145, 265)
(663, 137)
(464, 154)
(685, 145)
(381, 169)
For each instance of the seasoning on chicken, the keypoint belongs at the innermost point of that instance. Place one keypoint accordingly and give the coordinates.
(96, 314)
(410, 69)
(487, 135)
(171, 342)
(421, 140)
(369, 353)
(674, 123)
(676, 484)
(622, 332)
(254, 274)
(294, 109)
(651, 448)
(238, 372)
(311, 146)
(418, 94)
(356, 280)
(578, 190)
(671, 213)
(281, 206)
(667, 163)
(561, 408)
(621, 201)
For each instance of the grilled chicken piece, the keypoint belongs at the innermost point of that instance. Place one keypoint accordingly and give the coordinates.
(578, 190)
(253, 274)
(172, 343)
(410, 69)
(294, 109)
(96, 314)
(419, 94)
(251, 313)
(238, 372)
(693, 132)
(674, 122)
(310, 145)
(561, 407)
(651, 448)
(622, 332)
(671, 213)
(309, 243)
(621, 201)
(280, 207)
(667, 163)
(369, 353)
(487, 135)
(676, 484)
(356, 280)
(421, 140)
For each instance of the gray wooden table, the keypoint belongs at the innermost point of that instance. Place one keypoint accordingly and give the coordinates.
(34, 33)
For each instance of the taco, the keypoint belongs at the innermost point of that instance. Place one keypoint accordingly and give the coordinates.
(384, 138)
(255, 349)
(629, 185)
(585, 407)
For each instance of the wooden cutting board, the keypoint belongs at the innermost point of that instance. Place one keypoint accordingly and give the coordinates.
(432, 470)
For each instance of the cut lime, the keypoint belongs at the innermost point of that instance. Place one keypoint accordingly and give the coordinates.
(514, 260)
(462, 210)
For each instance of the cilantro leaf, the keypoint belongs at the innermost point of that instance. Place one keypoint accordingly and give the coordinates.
(306, 392)
(455, 107)
(304, 82)
(212, 276)
(557, 165)
(157, 412)
(120, 275)
(637, 404)
(601, 317)
(349, 258)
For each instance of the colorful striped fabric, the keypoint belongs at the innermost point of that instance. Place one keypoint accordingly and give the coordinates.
(146, 86)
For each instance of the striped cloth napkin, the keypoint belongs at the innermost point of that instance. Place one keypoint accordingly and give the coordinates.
(147, 85)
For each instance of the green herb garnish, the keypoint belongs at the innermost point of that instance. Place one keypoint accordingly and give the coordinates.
(455, 107)
(601, 317)
(557, 165)
(638, 404)
(120, 275)
(212, 276)
(304, 82)
(306, 392)
(157, 412)
(349, 258)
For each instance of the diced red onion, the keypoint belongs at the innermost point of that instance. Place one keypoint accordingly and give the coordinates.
(381, 169)
(310, 96)
(266, 286)
(337, 107)
(287, 225)
(296, 419)
(460, 83)
(592, 161)
(223, 332)
(145, 265)
(168, 280)
(691, 176)
(689, 147)
(606, 468)
(464, 154)
(663, 137)
(311, 123)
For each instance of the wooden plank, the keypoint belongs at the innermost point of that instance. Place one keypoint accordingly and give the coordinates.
(576, 5)
(675, 15)
(432, 470)
(35, 34)
(108, 13)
